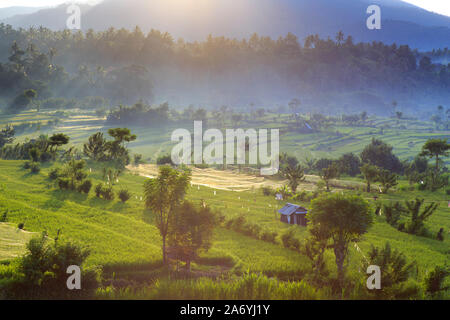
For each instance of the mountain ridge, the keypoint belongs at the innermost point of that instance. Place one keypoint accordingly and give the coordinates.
(194, 20)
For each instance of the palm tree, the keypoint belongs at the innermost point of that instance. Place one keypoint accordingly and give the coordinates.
(340, 37)
(295, 175)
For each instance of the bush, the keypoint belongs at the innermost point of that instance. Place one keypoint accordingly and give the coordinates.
(289, 241)
(104, 192)
(269, 236)
(447, 191)
(27, 165)
(440, 235)
(64, 184)
(85, 187)
(164, 160)
(35, 168)
(46, 157)
(4, 217)
(54, 174)
(98, 190)
(124, 195)
(41, 273)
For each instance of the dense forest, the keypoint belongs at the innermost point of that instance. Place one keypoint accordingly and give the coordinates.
(121, 66)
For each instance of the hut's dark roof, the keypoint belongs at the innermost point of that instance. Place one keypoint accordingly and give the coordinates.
(290, 208)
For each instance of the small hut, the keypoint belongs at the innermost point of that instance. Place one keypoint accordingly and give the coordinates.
(294, 214)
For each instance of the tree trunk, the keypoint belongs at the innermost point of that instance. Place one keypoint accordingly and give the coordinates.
(339, 252)
(368, 186)
(164, 249)
(188, 265)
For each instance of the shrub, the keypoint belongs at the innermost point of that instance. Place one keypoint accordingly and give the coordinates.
(124, 195)
(46, 157)
(35, 168)
(440, 235)
(288, 239)
(164, 159)
(98, 190)
(41, 273)
(64, 184)
(21, 226)
(104, 192)
(4, 217)
(85, 187)
(27, 165)
(54, 174)
(269, 236)
(435, 281)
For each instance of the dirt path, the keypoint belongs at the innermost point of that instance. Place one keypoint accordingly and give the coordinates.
(226, 180)
(222, 180)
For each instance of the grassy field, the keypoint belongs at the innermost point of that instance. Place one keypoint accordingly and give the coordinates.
(123, 237)
(13, 241)
(406, 136)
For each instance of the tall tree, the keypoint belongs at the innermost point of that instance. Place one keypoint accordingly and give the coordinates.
(345, 219)
(370, 174)
(96, 147)
(6, 135)
(418, 217)
(163, 195)
(191, 231)
(295, 175)
(330, 173)
(387, 180)
(434, 148)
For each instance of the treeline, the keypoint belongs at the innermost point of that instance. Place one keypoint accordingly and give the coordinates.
(121, 64)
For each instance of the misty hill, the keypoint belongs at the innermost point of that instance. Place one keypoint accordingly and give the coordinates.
(13, 11)
(195, 19)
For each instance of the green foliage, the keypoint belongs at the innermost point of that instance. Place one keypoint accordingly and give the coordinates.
(43, 272)
(344, 219)
(387, 180)
(6, 135)
(85, 187)
(163, 195)
(191, 231)
(289, 240)
(96, 147)
(435, 282)
(105, 192)
(124, 195)
(54, 174)
(35, 154)
(164, 160)
(250, 286)
(328, 174)
(370, 174)
(418, 216)
(35, 168)
(380, 154)
(294, 175)
(349, 164)
(395, 272)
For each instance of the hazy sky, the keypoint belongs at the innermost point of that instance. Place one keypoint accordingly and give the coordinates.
(440, 6)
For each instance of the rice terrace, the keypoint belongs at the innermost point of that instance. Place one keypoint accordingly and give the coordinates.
(357, 209)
